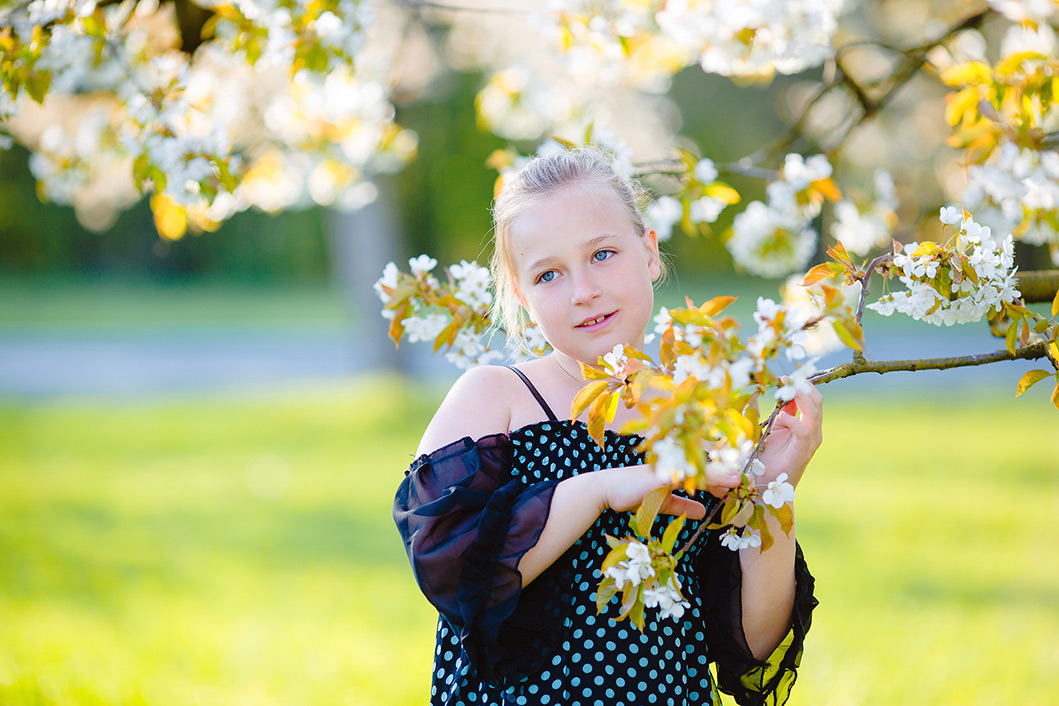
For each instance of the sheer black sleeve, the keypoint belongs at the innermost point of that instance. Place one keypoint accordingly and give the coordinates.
(466, 523)
(751, 681)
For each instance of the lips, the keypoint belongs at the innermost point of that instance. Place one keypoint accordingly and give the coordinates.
(595, 321)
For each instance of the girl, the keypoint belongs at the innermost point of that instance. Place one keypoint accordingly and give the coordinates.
(505, 511)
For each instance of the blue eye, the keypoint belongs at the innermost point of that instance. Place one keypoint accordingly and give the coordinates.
(601, 255)
(546, 276)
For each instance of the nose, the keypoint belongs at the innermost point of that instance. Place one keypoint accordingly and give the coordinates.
(585, 289)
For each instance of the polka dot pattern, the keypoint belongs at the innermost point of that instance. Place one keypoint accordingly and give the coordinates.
(596, 660)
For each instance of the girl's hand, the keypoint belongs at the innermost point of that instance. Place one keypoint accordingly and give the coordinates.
(794, 438)
(624, 489)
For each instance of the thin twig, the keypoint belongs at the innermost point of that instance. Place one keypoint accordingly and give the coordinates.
(864, 283)
(720, 501)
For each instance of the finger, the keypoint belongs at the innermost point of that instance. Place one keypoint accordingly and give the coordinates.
(676, 505)
(717, 491)
(811, 401)
(722, 478)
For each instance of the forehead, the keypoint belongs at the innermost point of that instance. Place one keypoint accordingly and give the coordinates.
(566, 219)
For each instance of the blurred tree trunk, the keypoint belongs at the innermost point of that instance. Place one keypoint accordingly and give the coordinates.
(361, 243)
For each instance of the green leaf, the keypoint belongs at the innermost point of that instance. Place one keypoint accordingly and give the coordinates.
(628, 599)
(669, 538)
(607, 590)
(648, 510)
(37, 84)
(850, 333)
(757, 522)
(786, 517)
(1009, 339)
(1030, 379)
(615, 556)
(447, 335)
(636, 614)
(744, 514)
(730, 509)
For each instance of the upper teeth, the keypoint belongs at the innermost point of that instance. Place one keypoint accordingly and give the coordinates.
(594, 321)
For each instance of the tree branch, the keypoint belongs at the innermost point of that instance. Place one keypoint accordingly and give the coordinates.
(1038, 287)
(858, 367)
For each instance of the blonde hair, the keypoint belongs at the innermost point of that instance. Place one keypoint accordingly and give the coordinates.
(581, 166)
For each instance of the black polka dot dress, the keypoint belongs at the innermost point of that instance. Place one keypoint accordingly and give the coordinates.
(470, 510)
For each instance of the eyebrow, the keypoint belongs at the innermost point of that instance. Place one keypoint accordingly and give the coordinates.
(589, 245)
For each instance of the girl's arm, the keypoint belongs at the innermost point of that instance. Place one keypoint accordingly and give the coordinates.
(579, 500)
(768, 577)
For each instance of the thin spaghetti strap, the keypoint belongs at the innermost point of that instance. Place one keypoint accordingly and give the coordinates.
(536, 395)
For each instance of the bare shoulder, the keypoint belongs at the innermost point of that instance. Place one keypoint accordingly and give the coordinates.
(477, 405)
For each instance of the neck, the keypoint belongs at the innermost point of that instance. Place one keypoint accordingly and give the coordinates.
(570, 367)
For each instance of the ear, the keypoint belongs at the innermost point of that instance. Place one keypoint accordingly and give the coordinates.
(520, 296)
(654, 260)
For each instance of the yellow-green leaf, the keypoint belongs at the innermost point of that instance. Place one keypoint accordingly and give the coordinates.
(636, 614)
(587, 396)
(669, 537)
(720, 190)
(1009, 339)
(597, 420)
(968, 73)
(1030, 379)
(716, 305)
(648, 511)
(729, 511)
(607, 590)
(1055, 304)
(786, 517)
(1055, 395)
(850, 333)
(959, 104)
(447, 335)
(616, 555)
(820, 273)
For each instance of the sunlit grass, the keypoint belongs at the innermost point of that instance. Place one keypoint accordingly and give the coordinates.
(240, 551)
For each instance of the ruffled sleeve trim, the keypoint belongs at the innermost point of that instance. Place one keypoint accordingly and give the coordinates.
(752, 682)
(466, 523)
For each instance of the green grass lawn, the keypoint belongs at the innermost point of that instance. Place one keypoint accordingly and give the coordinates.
(240, 551)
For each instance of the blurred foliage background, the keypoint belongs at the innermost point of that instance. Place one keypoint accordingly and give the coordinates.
(441, 203)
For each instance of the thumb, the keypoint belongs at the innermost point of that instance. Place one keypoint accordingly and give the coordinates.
(676, 505)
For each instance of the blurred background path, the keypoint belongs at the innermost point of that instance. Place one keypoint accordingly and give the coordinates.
(138, 362)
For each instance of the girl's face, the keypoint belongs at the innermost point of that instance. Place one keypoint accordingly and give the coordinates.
(584, 272)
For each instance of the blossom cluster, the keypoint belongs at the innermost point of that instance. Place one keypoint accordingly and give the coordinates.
(1025, 11)
(213, 133)
(580, 62)
(703, 198)
(964, 280)
(752, 37)
(635, 568)
(774, 237)
(740, 38)
(1017, 191)
(453, 314)
(317, 34)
